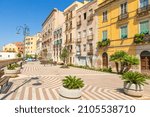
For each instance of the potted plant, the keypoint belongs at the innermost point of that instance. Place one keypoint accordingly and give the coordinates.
(71, 88)
(11, 71)
(17, 67)
(134, 82)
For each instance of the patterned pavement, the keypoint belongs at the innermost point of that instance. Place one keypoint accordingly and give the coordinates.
(23, 87)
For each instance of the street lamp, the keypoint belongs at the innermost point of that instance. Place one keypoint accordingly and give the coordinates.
(25, 31)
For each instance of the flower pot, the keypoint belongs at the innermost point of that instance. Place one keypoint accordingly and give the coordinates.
(11, 73)
(68, 94)
(133, 89)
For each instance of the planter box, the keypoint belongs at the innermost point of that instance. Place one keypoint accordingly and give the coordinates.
(133, 89)
(11, 73)
(18, 70)
(68, 94)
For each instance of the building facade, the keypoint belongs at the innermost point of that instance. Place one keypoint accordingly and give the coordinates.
(70, 29)
(39, 45)
(118, 22)
(86, 35)
(8, 55)
(20, 47)
(10, 48)
(30, 45)
(52, 22)
(58, 44)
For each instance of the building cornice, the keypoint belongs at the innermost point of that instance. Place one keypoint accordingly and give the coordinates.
(54, 10)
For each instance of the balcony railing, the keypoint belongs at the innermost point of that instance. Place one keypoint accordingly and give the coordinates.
(143, 11)
(90, 18)
(90, 52)
(140, 38)
(90, 37)
(78, 40)
(123, 16)
(78, 53)
(79, 23)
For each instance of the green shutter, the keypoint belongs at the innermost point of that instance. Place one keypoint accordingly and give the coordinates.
(144, 27)
(104, 35)
(124, 32)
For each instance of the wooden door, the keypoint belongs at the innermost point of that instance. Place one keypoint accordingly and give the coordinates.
(105, 60)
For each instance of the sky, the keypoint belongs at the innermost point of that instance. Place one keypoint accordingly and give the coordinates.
(14, 13)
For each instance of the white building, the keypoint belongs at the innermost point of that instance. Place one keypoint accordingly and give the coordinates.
(7, 55)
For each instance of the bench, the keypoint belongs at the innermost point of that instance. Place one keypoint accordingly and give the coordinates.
(4, 82)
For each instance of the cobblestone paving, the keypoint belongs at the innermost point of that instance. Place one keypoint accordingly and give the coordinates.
(98, 85)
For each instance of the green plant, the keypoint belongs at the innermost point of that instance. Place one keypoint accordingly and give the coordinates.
(107, 69)
(123, 61)
(138, 38)
(72, 82)
(103, 43)
(19, 55)
(11, 67)
(16, 65)
(135, 78)
(64, 55)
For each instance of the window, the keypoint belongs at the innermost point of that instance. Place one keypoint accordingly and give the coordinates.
(124, 32)
(143, 3)
(84, 47)
(79, 35)
(124, 8)
(104, 35)
(144, 27)
(84, 33)
(84, 16)
(90, 31)
(105, 16)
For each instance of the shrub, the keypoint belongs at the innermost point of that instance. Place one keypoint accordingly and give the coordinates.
(135, 78)
(11, 67)
(107, 69)
(72, 82)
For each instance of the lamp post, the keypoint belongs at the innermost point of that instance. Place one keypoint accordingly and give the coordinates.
(25, 31)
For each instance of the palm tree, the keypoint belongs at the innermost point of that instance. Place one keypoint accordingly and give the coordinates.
(124, 61)
(64, 55)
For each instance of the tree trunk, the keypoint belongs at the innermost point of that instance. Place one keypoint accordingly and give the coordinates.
(117, 67)
(127, 68)
(122, 67)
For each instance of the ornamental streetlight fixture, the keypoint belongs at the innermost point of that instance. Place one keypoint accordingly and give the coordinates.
(25, 31)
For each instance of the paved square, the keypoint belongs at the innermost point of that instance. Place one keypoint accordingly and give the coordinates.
(98, 85)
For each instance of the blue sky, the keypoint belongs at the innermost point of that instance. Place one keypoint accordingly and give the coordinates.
(14, 13)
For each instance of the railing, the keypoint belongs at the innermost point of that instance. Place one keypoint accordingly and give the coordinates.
(90, 52)
(79, 23)
(78, 53)
(123, 16)
(143, 10)
(90, 37)
(4, 63)
(78, 40)
(90, 18)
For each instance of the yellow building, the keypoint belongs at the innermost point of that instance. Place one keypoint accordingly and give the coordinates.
(119, 21)
(30, 45)
(10, 48)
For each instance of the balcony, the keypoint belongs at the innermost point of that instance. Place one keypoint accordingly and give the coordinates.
(123, 16)
(90, 37)
(143, 11)
(90, 52)
(79, 23)
(78, 40)
(90, 18)
(78, 53)
(142, 38)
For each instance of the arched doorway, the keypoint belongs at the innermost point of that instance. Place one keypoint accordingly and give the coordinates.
(105, 60)
(145, 61)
